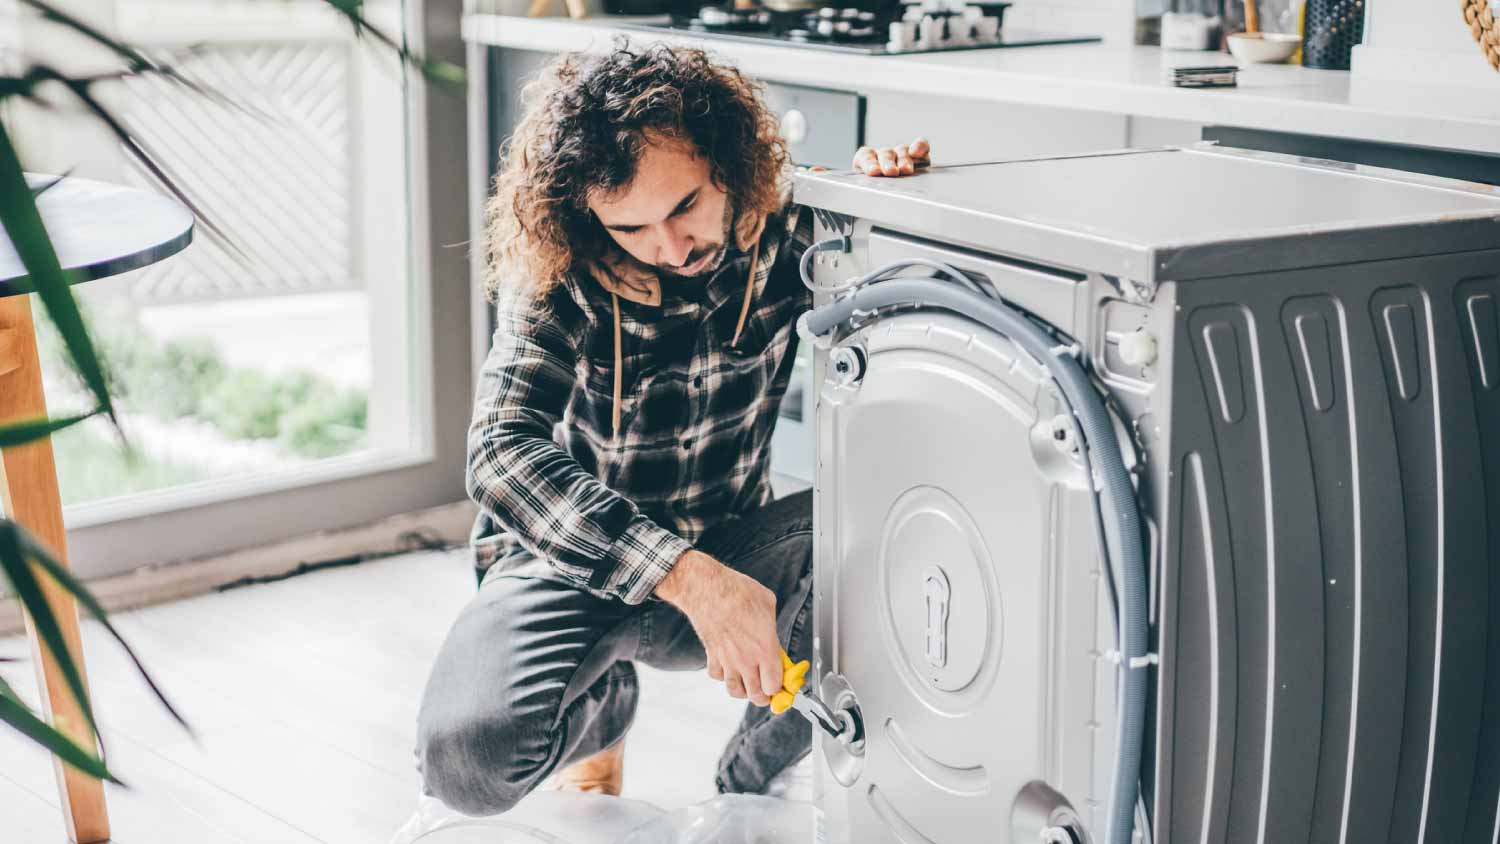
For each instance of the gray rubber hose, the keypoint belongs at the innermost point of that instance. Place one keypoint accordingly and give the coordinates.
(1121, 518)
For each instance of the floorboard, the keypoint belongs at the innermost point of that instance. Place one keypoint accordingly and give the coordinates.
(303, 697)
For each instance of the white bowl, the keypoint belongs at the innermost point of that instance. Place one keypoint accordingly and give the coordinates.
(1263, 47)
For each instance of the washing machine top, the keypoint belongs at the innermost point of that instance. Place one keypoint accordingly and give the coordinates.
(1173, 214)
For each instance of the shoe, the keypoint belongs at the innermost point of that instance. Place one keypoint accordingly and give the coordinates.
(602, 773)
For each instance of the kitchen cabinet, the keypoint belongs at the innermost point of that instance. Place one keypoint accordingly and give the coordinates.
(963, 130)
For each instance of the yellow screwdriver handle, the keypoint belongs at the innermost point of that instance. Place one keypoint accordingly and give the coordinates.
(793, 676)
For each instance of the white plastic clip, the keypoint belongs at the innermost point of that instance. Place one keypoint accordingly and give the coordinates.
(1072, 350)
(821, 342)
(1134, 662)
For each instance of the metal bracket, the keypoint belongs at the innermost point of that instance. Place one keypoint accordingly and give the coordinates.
(836, 223)
(1139, 292)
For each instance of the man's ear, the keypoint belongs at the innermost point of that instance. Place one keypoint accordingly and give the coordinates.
(747, 229)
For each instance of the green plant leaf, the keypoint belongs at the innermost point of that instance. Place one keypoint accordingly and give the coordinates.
(26, 430)
(43, 188)
(152, 162)
(136, 59)
(33, 549)
(28, 590)
(137, 62)
(23, 223)
(18, 716)
(445, 74)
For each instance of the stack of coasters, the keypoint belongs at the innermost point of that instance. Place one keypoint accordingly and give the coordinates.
(1209, 76)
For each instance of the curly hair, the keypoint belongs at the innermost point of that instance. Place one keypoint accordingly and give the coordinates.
(587, 122)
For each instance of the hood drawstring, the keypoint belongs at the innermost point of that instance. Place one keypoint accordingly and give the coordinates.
(749, 288)
(615, 405)
(739, 327)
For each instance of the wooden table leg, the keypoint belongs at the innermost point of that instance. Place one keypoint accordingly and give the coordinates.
(29, 496)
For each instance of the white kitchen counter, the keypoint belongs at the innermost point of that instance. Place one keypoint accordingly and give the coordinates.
(1105, 78)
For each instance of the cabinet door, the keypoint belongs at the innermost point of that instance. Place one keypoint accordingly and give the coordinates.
(821, 127)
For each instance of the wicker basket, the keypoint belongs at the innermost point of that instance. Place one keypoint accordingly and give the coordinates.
(1481, 17)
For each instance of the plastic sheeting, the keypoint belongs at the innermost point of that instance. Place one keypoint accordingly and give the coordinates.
(733, 819)
(545, 817)
(572, 818)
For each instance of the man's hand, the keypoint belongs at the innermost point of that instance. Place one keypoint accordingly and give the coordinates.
(902, 160)
(618, 272)
(735, 618)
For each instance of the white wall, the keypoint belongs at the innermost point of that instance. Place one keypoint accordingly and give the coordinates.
(1420, 41)
(1418, 25)
(1112, 19)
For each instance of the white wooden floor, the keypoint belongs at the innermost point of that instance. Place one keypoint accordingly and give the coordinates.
(304, 695)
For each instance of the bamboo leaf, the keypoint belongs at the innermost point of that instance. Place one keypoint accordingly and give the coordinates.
(138, 63)
(443, 73)
(136, 148)
(135, 58)
(18, 716)
(23, 223)
(26, 430)
(34, 549)
(28, 590)
(43, 188)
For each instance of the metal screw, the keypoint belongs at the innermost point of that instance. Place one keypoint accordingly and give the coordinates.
(847, 367)
(1062, 434)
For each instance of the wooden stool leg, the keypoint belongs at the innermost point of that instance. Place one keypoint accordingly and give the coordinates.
(29, 496)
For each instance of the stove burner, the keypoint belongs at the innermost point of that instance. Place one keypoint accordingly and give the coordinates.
(829, 23)
(733, 20)
(913, 26)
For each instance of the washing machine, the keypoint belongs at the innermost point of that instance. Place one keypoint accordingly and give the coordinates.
(1157, 497)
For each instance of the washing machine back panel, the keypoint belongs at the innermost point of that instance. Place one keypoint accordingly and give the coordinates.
(1176, 214)
(971, 621)
(1331, 669)
(1321, 484)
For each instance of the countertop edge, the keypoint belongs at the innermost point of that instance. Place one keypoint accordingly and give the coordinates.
(1265, 100)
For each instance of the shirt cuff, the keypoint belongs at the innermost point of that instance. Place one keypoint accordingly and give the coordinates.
(641, 557)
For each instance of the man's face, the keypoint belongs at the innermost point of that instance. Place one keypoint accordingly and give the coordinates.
(671, 216)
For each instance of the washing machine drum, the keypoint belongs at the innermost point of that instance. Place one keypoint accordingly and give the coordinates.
(951, 463)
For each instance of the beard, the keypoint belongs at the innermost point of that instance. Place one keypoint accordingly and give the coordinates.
(717, 260)
(716, 251)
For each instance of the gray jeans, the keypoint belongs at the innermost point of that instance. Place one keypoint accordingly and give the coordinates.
(536, 673)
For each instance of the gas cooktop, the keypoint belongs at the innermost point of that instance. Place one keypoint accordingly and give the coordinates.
(918, 29)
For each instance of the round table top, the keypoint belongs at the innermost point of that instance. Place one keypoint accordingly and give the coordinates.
(99, 230)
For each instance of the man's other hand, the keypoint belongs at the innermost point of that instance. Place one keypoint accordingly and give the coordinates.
(901, 160)
(735, 618)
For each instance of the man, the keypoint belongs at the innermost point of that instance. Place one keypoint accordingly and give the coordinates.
(644, 264)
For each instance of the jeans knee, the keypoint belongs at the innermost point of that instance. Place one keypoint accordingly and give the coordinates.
(475, 767)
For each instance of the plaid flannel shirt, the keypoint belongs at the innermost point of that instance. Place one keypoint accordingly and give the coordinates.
(613, 515)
